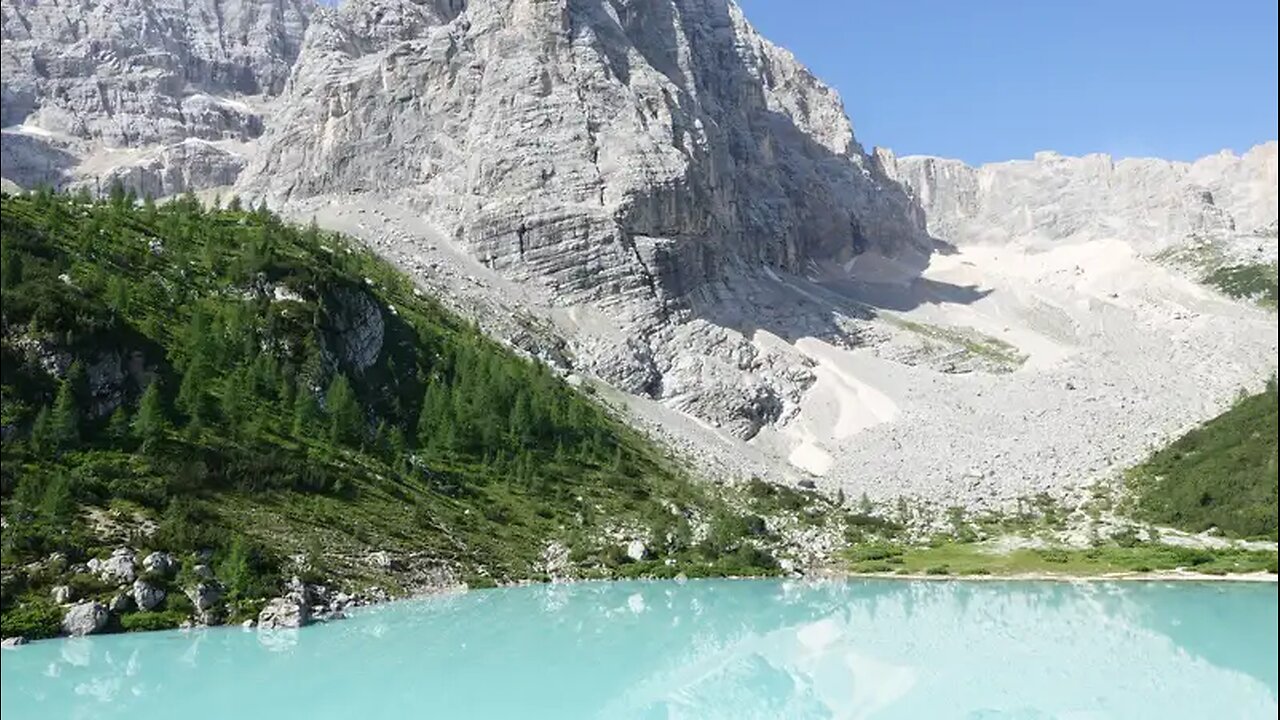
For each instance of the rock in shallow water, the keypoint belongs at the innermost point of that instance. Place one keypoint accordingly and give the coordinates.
(284, 612)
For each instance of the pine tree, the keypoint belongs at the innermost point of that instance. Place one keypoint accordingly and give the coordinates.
(235, 401)
(306, 412)
(58, 503)
(150, 423)
(193, 396)
(64, 420)
(396, 450)
(434, 416)
(345, 415)
(118, 425)
(42, 436)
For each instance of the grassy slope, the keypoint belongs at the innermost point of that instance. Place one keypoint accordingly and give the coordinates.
(457, 451)
(1221, 474)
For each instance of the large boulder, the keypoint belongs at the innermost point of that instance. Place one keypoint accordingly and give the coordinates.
(159, 562)
(146, 595)
(85, 618)
(292, 610)
(121, 602)
(120, 568)
(61, 594)
(205, 596)
(636, 550)
(284, 612)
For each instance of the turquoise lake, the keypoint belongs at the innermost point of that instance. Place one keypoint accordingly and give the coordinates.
(701, 649)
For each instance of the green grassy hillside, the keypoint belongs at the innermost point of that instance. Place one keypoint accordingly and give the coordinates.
(192, 379)
(1222, 474)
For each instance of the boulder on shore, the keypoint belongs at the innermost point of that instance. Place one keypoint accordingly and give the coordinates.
(85, 618)
(284, 612)
(146, 595)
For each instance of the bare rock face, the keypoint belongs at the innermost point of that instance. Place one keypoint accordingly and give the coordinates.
(173, 169)
(1145, 201)
(636, 157)
(81, 78)
(611, 149)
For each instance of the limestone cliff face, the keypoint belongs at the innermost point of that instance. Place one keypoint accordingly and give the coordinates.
(84, 79)
(621, 151)
(1145, 201)
(130, 71)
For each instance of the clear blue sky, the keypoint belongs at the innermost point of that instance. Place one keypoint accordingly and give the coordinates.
(988, 80)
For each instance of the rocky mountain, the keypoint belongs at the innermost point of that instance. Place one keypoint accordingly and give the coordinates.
(109, 89)
(632, 157)
(1148, 202)
(650, 193)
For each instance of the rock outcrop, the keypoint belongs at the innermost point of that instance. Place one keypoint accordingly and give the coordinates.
(160, 562)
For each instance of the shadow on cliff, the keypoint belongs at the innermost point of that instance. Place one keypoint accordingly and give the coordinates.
(775, 253)
(32, 161)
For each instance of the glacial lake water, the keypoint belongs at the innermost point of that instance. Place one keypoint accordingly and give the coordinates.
(701, 649)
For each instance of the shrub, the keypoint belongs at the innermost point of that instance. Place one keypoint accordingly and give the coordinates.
(938, 570)
(144, 621)
(33, 619)
(1053, 555)
(875, 552)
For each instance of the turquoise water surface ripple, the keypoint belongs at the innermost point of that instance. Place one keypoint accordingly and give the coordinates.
(702, 649)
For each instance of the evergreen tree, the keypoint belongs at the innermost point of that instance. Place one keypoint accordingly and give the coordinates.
(235, 401)
(434, 416)
(345, 415)
(42, 435)
(396, 451)
(58, 503)
(193, 396)
(118, 425)
(10, 266)
(306, 412)
(64, 420)
(151, 422)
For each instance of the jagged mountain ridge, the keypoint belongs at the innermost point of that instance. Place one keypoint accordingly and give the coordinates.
(1149, 202)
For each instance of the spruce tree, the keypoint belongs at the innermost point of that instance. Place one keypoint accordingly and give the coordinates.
(42, 435)
(118, 425)
(236, 405)
(150, 423)
(345, 415)
(306, 412)
(65, 418)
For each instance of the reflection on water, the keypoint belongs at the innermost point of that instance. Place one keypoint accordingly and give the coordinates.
(723, 649)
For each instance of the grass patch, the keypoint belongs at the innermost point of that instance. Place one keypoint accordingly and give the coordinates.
(972, 342)
(980, 559)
